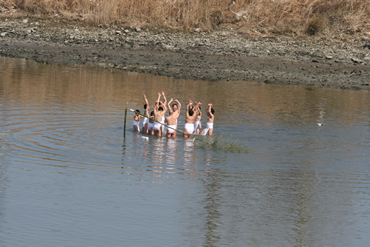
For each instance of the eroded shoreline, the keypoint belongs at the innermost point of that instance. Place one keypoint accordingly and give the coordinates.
(223, 55)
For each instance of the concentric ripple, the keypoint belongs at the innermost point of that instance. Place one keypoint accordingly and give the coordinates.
(84, 140)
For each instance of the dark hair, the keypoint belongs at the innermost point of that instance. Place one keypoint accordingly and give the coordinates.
(160, 109)
(191, 112)
(152, 113)
(137, 111)
(213, 111)
(145, 106)
(200, 108)
(174, 105)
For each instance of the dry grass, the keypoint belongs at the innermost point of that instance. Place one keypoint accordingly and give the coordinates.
(266, 16)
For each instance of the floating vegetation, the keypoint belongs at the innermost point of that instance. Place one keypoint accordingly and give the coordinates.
(216, 142)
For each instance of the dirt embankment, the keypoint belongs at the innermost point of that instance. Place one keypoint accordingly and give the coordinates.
(223, 55)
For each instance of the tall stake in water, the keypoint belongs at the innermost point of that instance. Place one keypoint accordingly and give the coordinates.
(124, 125)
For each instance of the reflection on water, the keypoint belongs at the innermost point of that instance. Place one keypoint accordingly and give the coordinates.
(68, 177)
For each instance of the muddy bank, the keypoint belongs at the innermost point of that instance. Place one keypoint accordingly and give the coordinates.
(223, 55)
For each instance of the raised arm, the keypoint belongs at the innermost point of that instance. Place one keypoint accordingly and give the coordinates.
(147, 106)
(146, 100)
(155, 108)
(159, 98)
(188, 107)
(165, 100)
(164, 108)
(209, 110)
(178, 106)
(169, 106)
(199, 112)
(208, 107)
(196, 108)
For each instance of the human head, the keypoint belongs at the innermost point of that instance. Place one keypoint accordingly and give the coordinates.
(137, 112)
(160, 109)
(199, 111)
(145, 106)
(175, 107)
(191, 112)
(213, 111)
(152, 113)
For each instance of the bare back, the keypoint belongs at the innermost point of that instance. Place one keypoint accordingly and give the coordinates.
(158, 115)
(191, 118)
(211, 118)
(199, 115)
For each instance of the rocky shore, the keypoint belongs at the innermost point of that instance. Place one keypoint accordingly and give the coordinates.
(222, 55)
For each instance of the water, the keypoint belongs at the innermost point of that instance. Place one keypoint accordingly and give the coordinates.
(68, 178)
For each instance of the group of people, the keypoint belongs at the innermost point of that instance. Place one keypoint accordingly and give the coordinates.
(154, 124)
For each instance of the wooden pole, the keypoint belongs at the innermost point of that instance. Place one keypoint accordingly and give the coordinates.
(124, 125)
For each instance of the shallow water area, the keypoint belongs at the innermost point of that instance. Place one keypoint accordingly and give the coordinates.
(68, 177)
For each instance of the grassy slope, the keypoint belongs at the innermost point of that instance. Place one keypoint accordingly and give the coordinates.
(257, 17)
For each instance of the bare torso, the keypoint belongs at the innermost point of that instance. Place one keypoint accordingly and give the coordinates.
(211, 117)
(158, 116)
(190, 119)
(171, 119)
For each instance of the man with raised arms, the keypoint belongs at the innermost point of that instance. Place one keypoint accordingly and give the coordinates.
(159, 109)
(190, 117)
(146, 113)
(171, 120)
(164, 117)
(198, 123)
(173, 108)
(211, 118)
(151, 124)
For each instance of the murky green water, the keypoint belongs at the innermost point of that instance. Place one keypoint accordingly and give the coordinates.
(68, 178)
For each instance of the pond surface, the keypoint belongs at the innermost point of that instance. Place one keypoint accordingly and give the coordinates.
(68, 178)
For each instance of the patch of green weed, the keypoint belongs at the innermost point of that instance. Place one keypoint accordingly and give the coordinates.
(217, 142)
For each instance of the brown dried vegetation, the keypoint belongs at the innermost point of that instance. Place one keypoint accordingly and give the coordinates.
(283, 17)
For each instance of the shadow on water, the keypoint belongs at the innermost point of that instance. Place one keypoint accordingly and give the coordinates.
(212, 202)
